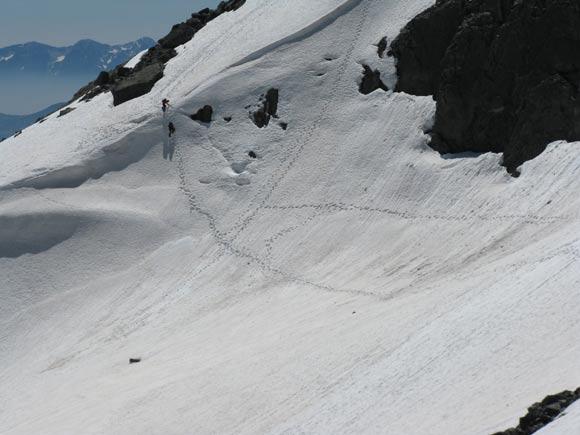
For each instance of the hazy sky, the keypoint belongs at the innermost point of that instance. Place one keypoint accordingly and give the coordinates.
(63, 22)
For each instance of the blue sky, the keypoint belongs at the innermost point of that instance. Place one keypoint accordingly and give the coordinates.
(63, 22)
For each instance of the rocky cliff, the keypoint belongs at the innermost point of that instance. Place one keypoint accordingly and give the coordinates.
(505, 74)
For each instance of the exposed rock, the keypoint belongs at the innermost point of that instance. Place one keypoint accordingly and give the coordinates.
(121, 71)
(421, 45)
(543, 413)
(137, 84)
(65, 111)
(203, 115)
(134, 360)
(371, 81)
(267, 110)
(252, 155)
(93, 93)
(104, 78)
(283, 125)
(382, 47)
(227, 118)
(179, 35)
(505, 74)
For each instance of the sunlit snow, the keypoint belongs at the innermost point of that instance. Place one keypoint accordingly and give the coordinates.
(347, 280)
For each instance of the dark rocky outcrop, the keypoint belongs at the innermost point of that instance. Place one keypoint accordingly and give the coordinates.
(104, 78)
(505, 74)
(371, 81)
(382, 47)
(268, 108)
(137, 84)
(127, 84)
(203, 115)
(543, 413)
(66, 111)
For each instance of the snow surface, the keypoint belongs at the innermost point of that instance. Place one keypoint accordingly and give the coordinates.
(349, 280)
(6, 58)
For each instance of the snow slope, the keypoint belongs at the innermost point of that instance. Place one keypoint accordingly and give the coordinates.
(348, 280)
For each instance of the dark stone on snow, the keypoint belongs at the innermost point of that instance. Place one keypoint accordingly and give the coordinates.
(371, 81)
(271, 102)
(261, 118)
(252, 154)
(505, 74)
(382, 47)
(203, 115)
(227, 118)
(134, 360)
(283, 125)
(267, 110)
(65, 111)
(543, 413)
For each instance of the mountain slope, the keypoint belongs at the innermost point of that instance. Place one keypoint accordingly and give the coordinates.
(348, 279)
(9, 124)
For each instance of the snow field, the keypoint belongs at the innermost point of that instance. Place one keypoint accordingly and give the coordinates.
(347, 280)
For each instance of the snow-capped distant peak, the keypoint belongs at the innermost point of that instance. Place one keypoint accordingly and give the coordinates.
(86, 57)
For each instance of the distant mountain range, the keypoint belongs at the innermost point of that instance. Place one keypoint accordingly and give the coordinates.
(34, 75)
(84, 57)
(10, 124)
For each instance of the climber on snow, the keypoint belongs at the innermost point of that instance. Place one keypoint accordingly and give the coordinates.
(164, 104)
(171, 129)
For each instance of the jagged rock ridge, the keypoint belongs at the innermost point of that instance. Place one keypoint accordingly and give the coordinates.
(505, 74)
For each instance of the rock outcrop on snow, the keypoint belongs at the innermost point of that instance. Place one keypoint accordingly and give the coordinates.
(65, 111)
(543, 413)
(382, 47)
(505, 74)
(204, 114)
(127, 84)
(268, 108)
(371, 81)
